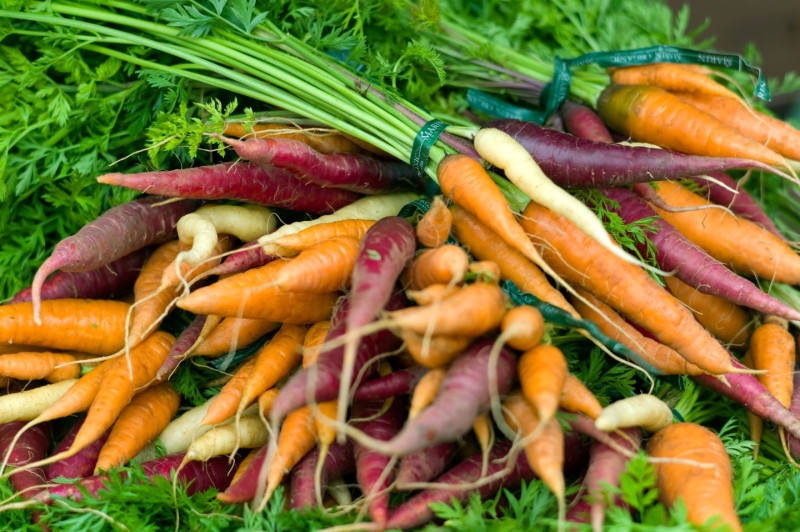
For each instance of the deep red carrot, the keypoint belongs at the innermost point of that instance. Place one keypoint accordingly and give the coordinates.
(425, 465)
(742, 203)
(349, 171)
(251, 256)
(463, 394)
(794, 408)
(396, 383)
(578, 163)
(80, 465)
(106, 282)
(584, 123)
(371, 466)
(118, 232)
(248, 182)
(32, 446)
(186, 340)
(339, 461)
(691, 264)
(325, 375)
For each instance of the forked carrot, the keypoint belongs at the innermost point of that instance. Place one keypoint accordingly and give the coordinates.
(425, 391)
(225, 403)
(445, 265)
(576, 397)
(233, 333)
(434, 228)
(542, 372)
(671, 77)
(312, 343)
(317, 234)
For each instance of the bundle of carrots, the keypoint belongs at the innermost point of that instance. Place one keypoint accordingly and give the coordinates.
(395, 353)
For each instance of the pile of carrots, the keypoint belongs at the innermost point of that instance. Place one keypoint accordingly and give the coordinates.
(391, 339)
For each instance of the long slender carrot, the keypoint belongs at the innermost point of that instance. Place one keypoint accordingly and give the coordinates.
(233, 333)
(576, 397)
(671, 77)
(425, 391)
(542, 372)
(138, 424)
(324, 141)
(226, 402)
(316, 234)
(32, 366)
(649, 114)
(151, 301)
(326, 267)
(266, 399)
(624, 287)
(434, 228)
(312, 343)
(295, 440)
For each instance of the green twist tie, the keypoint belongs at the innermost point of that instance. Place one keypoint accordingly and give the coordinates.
(232, 359)
(423, 142)
(497, 108)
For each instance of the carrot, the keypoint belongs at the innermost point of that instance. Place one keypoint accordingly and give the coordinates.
(775, 134)
(250, 255)
(226, 402)
(338, 462)
(180, 271)
(437, 351)
(295, 440)
(443, 265)
(32, 366)
(672, 77)
(252, 295)
(425, 465)
(522, 328)
(542, 372)
(138, 424)
(249, 433)
(645, 410)
(192, 335)
(275, 360)
(624, 287)
(266, 399)
(583, 123)
(29, 404)
(434, 228)
(649, 114)
(734, 241)
(727, 321)
(326, 267)
(706, 492)
(431, 294)
(654, 355)
(244, 465)
(483, 243)
(233, 333)
(80, 465)
(317, 234)
(755, 423)
(323, 418)
(32, 446)
(400, 382)
(325, 141)
(425, 391)
(312, 343)
(485, 271)
(576, 397)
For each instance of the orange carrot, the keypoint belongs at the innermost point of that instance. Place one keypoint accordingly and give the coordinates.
(772, 348)
(671, 77)
(224, 405)
(32, 366)
(150, 302)
(425, 391)
(443, 265)
(317, 234)
(431, 294)
(484, 244)
(434, 228)
(138, 424)
(486, 271)
(625, 287)
(326, 141)
(756, 423)
(96, 327)
(775, 134)
(726, 320)
(233, 333)
(266, 399)
(10, 349)
(79, 397)
(650, 114)
(273, 362)
(522, 328)
(664, 360)
(170, 277)
(326, 267)
(438, 352)
(542, 372)
(244, 465)
(295, 440)
(576, 397)
(326, 432)
(252, 294)
(706, 492)
(312, 344)
(733, 241)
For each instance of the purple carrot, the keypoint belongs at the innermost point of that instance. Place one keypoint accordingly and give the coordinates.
(463, 395)
(691, 264)
(326, 373)
(32, 446)
(251, 256)
(200, 476)
(186, 340)
(244, 490)
(416, 511)
(248, 182)
(80, 465)
(742, 203)
(118, 232)
(426, 464)
(794, 408)
(584, 123)
(750, 393)
(396, 383)
(579, 163)
(106, 282)
(371, 465)
(348, 171)
(339, 461)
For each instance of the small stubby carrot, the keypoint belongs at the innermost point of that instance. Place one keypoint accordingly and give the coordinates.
(425, 391)
(326, 267)
(233, 333)
(672, 77)
(772, 348)
(446, 265)
(431, 294)
(294, 441)
(542, 372)
(747, 247)
(437, 351)
(32, 366)
(726, 320)
(434, 228)
(317, 234)
(312, 343)
(643, 410)
(226, 402)
(625, 287)
(275, 360)
(485, 271)
(652, 115)
(653, 354)
(253, 295)
(138, 424)
(324, 141)
(707, 492)
(522, 328)
(484, 244)
(96, 327)
(775, 134)
(576, 397)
